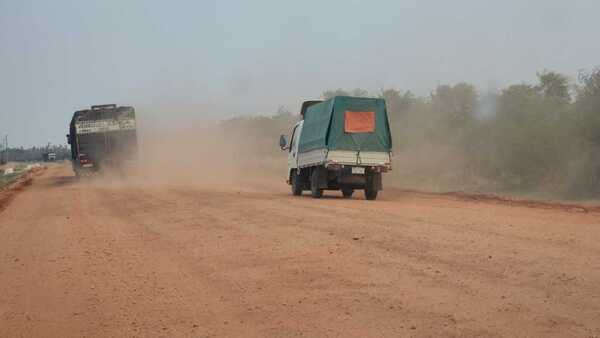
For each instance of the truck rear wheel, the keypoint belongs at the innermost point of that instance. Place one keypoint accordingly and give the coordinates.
(371, 188)
(296, 184)
(315, 191)
(347, 192)
(371, 194)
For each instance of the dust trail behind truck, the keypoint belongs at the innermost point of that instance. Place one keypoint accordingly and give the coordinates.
(103, 138)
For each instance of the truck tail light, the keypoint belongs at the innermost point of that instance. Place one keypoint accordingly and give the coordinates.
(382, 169)
(83, 159)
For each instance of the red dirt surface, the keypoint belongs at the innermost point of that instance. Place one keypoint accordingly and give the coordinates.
(111, 259)
(8, 192)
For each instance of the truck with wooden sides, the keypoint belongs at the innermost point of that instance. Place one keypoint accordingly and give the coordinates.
(103, 137)
(343, 143)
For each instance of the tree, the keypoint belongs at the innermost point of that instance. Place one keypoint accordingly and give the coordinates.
(328, 94)
(358, 92)
(456, 104)
(397, 101)
(587, 107)
(554, 86)
(591, 82)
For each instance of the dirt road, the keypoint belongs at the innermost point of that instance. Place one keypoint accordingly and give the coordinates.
(94, 258)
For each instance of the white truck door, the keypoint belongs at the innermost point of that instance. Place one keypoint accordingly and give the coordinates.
(293, 151)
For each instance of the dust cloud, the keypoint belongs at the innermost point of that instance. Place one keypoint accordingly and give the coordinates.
(206, 154)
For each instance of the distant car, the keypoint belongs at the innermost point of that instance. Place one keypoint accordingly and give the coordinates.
(49, 157)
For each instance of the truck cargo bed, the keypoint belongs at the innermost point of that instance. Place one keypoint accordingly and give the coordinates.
(344, 157)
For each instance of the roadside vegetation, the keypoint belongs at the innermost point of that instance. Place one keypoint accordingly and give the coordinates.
(6, 179)
(538, 138)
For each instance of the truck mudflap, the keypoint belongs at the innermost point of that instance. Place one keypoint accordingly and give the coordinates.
(321, 176)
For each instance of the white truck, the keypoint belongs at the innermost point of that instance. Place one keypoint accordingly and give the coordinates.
(343, 143)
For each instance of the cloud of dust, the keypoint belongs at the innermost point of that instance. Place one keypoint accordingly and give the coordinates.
(205, 154)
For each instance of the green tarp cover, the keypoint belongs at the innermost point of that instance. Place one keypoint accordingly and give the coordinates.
(324, 126)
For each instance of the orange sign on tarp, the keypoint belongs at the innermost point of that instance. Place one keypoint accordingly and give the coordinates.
(359, 121)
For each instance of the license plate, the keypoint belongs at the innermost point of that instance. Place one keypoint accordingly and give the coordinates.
(358, 170)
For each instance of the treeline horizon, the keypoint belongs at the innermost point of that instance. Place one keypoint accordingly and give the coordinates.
(34, 154)
(528, 138)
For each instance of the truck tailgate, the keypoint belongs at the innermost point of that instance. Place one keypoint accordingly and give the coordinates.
(359, 158)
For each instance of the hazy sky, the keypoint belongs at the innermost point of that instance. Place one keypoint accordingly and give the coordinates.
(182, 59)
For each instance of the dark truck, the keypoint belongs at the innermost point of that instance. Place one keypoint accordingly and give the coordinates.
(343, 143)
(103, 138)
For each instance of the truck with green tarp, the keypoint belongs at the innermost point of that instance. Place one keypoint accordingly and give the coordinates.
(343, 143)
